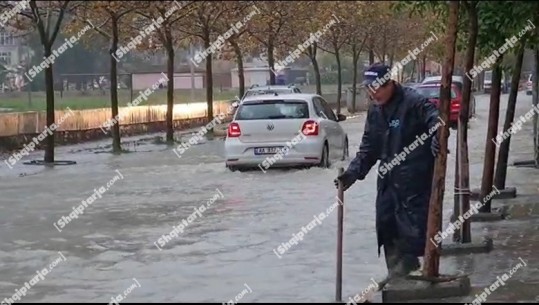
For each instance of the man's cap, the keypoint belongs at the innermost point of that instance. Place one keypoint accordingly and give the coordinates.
(374, 72)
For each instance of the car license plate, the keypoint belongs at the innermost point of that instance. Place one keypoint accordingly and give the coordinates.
(267, 150)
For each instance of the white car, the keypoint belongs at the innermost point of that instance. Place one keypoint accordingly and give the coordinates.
(285, 130)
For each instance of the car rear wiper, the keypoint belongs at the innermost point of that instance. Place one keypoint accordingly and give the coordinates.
(274, 117)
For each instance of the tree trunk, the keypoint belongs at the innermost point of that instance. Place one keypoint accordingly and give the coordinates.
(456, 189)
(339, 80)
(49, 88)
(170, 87)
(535, 102)
(490, 148)
(384, 47)
(209, 81)
(391, 58)
(271, 62)
(355, 59)
(503, 154)
(462, 152)
(432, 251)
(371, 52)
(116, 146)
(239, 61)
(413, 71)
(312, 50)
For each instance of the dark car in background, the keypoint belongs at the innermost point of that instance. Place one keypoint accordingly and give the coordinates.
(457, 81)
(432, 93)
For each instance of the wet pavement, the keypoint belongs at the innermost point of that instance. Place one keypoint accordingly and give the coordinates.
(230, 245)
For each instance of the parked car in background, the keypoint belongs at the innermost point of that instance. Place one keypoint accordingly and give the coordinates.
(529, 85)
(458, 81)
(265, 124)
(411, 85)
(487, 83)
(262, 90)
(432, 93)
(257, 90)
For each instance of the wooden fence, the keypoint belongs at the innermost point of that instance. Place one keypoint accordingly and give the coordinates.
(27, 123)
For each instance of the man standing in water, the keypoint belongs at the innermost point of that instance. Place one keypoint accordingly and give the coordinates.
(395, 120)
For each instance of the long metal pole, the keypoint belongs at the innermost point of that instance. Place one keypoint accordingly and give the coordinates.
(340, 217)
(192, 68)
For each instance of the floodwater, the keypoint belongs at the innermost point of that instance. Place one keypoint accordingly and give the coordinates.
(223, 250)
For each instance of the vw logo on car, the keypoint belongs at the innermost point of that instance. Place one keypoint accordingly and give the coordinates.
(270, 126)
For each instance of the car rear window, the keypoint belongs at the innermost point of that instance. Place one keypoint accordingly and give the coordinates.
(273, 110)
(433, 92)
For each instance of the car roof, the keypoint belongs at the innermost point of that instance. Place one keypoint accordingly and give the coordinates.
(270, 87)
(271, 97)
(434, 85)
(455, 78)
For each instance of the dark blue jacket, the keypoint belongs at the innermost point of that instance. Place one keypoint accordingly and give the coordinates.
(399, 135)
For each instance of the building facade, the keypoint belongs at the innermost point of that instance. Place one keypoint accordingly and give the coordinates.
(10, 49)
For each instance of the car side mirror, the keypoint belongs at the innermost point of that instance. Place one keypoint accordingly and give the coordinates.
(235, 104)
(341, 117)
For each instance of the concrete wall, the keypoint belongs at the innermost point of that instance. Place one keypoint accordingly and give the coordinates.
(181, 80)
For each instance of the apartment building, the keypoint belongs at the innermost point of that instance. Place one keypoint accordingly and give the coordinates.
(10, 49)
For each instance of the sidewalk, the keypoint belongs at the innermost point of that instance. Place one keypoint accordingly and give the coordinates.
(514, 238)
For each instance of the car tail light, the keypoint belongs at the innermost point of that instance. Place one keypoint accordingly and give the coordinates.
(310, 128)
(455, 105)
(234, 130)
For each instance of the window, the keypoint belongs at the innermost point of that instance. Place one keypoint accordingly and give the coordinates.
(488, 75)
(273, 110)
(433, 92)
(6, 39)
(318, 108)
(5, 58)
(328, 111)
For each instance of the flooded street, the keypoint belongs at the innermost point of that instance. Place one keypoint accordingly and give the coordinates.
(222, 251)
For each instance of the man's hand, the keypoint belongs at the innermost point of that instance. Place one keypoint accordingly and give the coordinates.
(347, 179)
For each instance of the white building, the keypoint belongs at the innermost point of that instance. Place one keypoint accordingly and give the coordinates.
(253, 75)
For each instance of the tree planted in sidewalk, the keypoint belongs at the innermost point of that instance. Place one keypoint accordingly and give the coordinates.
(432, 251)
(494, 31)
(111, 19)
(239, 43)
(202, 24)
(299, 30)
(530, 39)
(168, 38)
(268, 26)
(503, 152)
(46, 18)
(334, 39)
(462, 175)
